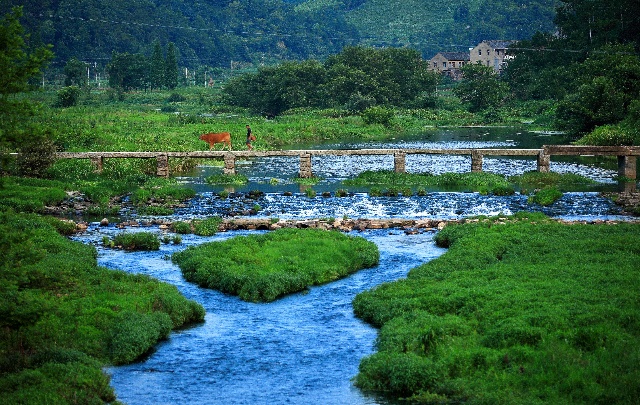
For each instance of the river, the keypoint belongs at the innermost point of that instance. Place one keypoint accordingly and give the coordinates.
(306, 347)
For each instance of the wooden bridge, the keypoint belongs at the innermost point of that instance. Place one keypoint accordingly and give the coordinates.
(627, 156)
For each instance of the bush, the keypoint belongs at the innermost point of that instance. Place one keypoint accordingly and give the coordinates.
(37, 154)
(137, 241)
(68, 96)
(545, 196)
(609, 135)
(378, 115)
(181, 227)
(206, 227)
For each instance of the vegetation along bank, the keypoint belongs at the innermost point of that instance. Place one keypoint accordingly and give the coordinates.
(522, 310)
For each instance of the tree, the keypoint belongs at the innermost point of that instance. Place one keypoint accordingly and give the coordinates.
(391, 76)
(75, 73)
(481, 88)
(18, 65)
(128, 71)
(273, 90)
(171, 67)
(157, 67)
(589, 24)
(607, 84)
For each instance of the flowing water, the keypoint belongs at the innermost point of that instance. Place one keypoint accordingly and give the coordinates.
(306, 347)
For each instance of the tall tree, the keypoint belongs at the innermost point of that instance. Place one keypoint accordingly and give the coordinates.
(128, 71)
(18, 65)
(157, 67)
(481, 88)
(75, 73)
(592, 23)
(171, 67)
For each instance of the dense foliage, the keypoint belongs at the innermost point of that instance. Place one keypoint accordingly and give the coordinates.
(390, 76)
(19, 63)
(262, 268)
(214, 33)
(63, 318)
(517, 311)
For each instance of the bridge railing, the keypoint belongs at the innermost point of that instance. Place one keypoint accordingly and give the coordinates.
(626, 156)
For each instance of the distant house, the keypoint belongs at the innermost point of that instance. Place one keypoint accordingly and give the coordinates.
(449, 63)
(491, 53)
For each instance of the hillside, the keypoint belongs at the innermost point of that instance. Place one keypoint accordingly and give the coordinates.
(218, 32)
(432, 25)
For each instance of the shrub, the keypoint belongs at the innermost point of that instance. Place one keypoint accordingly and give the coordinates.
(378, 115)
(137, 241)
(545, 196)
(609, 135)
(37, 154)
(68, 96)
(206, 227)
(181, 227)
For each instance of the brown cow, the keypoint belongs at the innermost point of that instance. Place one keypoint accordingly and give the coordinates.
(221, 137)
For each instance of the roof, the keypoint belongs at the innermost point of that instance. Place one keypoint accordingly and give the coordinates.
(464, 56)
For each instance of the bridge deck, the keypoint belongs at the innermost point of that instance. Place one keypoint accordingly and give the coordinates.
(626, 156)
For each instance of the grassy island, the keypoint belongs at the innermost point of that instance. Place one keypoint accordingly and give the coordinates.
(520, 310)
(262, 268)
(62, 317)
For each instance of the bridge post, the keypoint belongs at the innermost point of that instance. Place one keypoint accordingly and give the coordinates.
(399, 159)
(627, 166)
(229, 163)
(544, 162)
(476, 161)
(162, 165)
(305, 166)
(97, 163)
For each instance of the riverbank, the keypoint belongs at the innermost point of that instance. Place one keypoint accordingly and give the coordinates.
(530, 311)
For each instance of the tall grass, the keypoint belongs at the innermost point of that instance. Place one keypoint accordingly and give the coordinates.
(262, 268)
(525, 310)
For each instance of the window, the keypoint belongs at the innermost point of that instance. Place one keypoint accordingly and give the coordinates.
(479, 51)
(444, 64)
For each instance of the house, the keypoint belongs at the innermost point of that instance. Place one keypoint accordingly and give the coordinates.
(449, 63)
(491, 53)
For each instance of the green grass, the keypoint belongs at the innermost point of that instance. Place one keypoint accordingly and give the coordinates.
(227, 179)
(63, 318)
(522, 311)
(402, 183)
(564, 181)
(262, 268)
(136, 241)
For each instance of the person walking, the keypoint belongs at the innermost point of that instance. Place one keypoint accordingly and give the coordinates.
(250, 137)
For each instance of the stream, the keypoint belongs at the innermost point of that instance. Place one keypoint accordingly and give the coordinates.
(306, 347)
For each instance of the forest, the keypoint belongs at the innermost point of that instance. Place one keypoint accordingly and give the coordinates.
(255, 32)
